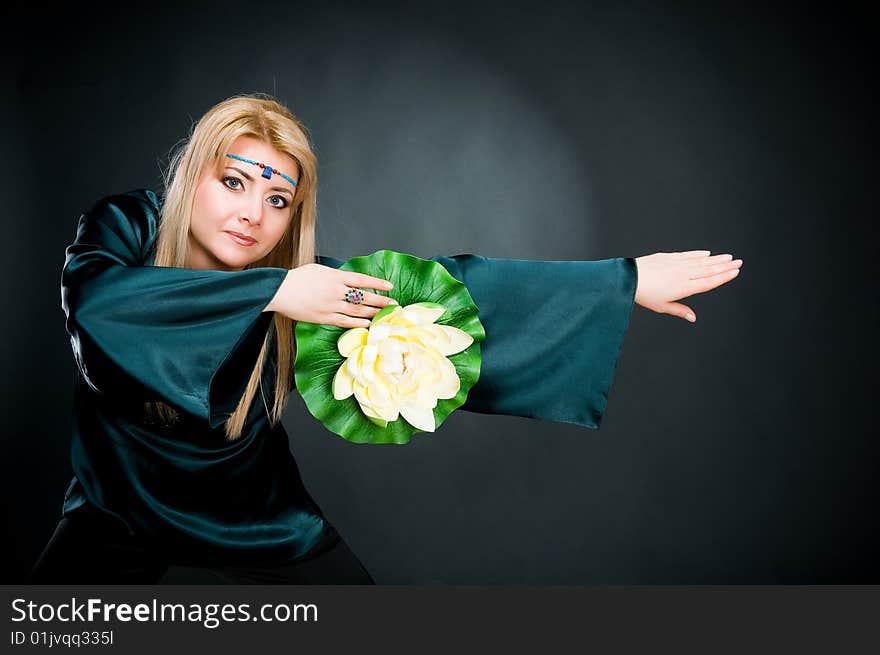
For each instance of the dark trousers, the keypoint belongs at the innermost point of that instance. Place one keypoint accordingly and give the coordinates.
(88, 549)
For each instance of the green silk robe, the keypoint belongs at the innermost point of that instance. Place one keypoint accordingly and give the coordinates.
(190, 338)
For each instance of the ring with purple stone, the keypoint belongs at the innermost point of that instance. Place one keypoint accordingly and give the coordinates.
(354, 296)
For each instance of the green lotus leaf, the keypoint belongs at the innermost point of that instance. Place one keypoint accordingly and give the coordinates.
(318, 359)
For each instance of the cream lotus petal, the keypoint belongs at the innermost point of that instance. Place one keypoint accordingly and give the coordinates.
(378, 333)
(343, 384)
(392, 366)
(440, 360)
(354, 362)
(391, 353)
(424, 398)
(382, 398)
(411, 381)
(387, 317)
(424, 336)
(448, 367)
(431, 311)
(421, 315)
(367, 409)
(431, 352)
(449, 383)
(397, 320)
(417, 347)
(378, 391)
(421, 418)
(394, 316)
(430, 361)
(351, 339)
(457, 340)
(368, 365)
(419, 361)
(360, 394)
(401, 339)
(407, 383)
(388, 412)
(441, 336)
(428, 376)
(400, 323)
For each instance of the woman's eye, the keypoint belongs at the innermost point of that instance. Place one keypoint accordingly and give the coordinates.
(235, 184)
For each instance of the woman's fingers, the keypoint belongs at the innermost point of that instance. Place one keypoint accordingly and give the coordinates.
(703, 284)
(351, 315)
(357, 310)
(690, 254)
(345, 321)
(714, 269)
(367, 281)
(682, 311)
(371, 301)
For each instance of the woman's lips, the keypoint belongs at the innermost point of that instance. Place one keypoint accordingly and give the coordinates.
(241, 240)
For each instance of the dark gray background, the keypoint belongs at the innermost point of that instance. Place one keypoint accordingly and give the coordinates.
(735, 450)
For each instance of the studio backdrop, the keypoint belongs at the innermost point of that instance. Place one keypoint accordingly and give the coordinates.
(733, 450)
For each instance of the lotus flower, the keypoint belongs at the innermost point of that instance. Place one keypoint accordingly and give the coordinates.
(417, 359)
(398, 365)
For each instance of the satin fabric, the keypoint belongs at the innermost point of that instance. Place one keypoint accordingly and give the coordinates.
(190, 338)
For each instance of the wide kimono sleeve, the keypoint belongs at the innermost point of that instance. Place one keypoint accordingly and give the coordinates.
(191, 337)
(554, 331)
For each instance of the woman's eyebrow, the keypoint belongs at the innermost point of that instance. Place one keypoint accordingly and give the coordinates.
(250, 179)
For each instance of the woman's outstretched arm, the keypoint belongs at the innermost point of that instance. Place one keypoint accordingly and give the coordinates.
(555, 329)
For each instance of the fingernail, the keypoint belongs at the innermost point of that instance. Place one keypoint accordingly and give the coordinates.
(691, 318)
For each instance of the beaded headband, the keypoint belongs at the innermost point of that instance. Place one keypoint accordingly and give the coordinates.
(267, 170)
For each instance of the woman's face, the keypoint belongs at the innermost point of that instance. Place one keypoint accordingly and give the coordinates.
(238, 199)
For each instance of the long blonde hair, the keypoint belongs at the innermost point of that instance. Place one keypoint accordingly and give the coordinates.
(262, 117)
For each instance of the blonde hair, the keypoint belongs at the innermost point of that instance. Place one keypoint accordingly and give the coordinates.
(262, 117)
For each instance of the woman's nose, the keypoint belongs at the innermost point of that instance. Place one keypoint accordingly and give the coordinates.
(254, 210)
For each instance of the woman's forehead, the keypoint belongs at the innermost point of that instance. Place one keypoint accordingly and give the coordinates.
(259, 150)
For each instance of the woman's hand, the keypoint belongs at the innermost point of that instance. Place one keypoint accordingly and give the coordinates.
(668, 276)
(315, 293)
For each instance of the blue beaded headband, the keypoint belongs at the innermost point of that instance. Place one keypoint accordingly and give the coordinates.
(267, 170)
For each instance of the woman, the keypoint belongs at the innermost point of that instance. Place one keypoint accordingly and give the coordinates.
(182, 314)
